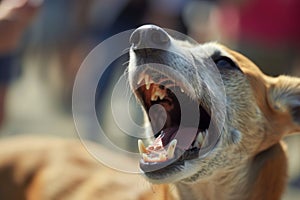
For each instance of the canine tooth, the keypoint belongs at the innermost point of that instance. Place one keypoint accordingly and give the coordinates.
(171, 149)
(147, 78)
(148, 86)
(142, 148)
(181, 90)
(147, 81)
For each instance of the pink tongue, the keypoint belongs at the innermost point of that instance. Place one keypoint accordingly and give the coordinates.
(184, 136)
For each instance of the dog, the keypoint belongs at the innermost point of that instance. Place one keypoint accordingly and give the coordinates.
(216, 124)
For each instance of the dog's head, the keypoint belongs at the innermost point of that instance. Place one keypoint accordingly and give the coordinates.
(210, 108)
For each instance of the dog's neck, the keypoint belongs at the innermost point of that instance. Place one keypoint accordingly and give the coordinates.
(200, 191)
(214, 188)
(261, 183)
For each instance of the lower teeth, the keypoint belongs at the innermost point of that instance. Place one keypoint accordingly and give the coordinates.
(157, 153)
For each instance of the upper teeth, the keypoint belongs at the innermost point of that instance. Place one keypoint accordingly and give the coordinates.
(155, 90)
(157, 93)
(147, 81)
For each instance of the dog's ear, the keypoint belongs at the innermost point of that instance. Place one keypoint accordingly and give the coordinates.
(284, 95)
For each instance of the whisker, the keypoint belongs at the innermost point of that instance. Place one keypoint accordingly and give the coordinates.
(125, 63)
(126, 50)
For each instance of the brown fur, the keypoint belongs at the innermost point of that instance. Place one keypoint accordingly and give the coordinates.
(266, 182)
(263, 109)
(253, 169)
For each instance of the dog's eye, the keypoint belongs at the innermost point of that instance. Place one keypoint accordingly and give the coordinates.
(225, 62)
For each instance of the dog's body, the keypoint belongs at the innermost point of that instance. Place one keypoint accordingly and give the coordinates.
(246, 162)
(34, 168)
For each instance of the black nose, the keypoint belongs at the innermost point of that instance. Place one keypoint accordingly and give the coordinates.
(150, 36)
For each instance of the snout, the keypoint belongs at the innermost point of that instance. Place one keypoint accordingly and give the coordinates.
(160, 74)
(150, 36)
(156, 54)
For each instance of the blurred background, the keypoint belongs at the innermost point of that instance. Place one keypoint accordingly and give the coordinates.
(43, 43)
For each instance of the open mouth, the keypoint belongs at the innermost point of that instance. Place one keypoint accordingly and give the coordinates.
(179, 123)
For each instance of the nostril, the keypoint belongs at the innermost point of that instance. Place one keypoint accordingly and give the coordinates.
(159, 37)
(149, 36)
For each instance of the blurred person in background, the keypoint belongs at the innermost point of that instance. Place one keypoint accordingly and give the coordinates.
(15, 16)
(265, 30)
